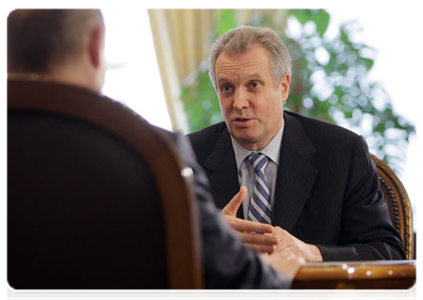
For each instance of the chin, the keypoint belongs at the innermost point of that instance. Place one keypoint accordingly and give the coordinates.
(244, 138)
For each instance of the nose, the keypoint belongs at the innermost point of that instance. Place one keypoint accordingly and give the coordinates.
(241, 100)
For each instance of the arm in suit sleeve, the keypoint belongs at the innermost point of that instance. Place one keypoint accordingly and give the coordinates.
(227, 263)
(367, 233)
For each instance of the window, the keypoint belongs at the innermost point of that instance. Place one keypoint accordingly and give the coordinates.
(133, 76)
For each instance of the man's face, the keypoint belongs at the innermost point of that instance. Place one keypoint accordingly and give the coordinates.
(251, 103)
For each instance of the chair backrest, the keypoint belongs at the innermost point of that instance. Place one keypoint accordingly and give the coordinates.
(96, 195)
(398, 203)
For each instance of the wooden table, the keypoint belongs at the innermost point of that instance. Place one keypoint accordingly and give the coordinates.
(357, 275)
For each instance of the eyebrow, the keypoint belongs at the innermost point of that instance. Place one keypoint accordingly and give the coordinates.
(256, 75)
(222, 80)
(253, 75)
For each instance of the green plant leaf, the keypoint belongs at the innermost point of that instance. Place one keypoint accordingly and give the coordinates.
(321, 19)
(368, 63)
(302, 15)
(226, 21)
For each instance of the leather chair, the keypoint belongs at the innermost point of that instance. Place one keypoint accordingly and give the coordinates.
(398, 203)
(96, 195)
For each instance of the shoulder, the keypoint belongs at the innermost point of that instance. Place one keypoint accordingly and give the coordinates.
(210, 131)
(321, 132)
(311, 124)
(207, 136)
(331, 143)
(209, 140)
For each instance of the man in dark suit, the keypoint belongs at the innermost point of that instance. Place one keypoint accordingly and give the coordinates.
(309, 183)
(72, 52)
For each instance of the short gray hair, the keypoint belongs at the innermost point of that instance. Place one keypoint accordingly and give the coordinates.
(38, 39)
(243, 39)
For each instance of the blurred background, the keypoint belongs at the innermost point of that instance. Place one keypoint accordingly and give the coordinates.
(353, 67)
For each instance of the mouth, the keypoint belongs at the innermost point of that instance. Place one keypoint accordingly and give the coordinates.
(242, 122)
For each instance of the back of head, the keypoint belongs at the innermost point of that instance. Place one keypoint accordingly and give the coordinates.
(243, 39)
(39, 39)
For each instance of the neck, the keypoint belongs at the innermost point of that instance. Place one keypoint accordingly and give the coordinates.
(28, 76)
(78, 72)
(49, 77)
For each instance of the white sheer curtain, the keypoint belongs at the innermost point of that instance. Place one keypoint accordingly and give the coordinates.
(133, 77)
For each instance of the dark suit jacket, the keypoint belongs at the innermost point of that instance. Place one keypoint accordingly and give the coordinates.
(227, 262)
(327, 188)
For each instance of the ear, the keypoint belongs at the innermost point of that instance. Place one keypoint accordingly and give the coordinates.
(95, 45)
(284, 84)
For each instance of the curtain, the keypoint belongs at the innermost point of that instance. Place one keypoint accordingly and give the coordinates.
(179, 37)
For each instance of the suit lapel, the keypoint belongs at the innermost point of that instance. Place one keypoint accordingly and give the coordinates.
(221, 166)
(295, 176)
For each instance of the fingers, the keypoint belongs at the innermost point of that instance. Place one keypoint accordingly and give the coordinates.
(289, 255)
(263, 249)
(249, 226)
(288, 242)
(258, 239)
(250, 234)
(294, 263)
(259, 242)
(285, 261)
(284, 237)
(232, 207)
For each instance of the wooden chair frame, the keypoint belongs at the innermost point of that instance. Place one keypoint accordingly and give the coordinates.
(402, 215)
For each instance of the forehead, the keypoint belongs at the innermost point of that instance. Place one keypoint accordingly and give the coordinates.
(254, 61)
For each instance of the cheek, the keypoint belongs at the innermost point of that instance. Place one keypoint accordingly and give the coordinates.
(225, 105)
(270, 110)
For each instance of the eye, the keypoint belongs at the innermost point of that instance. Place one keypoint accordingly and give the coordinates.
(226, 88)
(255, 84)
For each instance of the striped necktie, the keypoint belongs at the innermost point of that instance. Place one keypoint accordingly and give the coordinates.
(260, 207)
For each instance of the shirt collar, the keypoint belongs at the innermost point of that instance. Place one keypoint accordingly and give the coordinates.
(271, 150)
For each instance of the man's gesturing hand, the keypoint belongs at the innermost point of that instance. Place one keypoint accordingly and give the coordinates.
(290, 244)
(284, 261)
(249, 231)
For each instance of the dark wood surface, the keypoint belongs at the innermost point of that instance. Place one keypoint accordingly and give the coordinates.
(366, 280)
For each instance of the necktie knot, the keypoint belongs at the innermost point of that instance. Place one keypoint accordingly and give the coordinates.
(258, 160)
